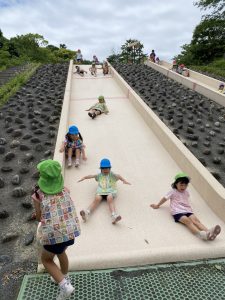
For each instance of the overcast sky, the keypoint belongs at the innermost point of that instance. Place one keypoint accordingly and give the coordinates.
(102, 26)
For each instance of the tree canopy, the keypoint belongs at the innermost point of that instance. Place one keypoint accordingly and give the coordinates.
(131, 52)
(208, 40)
(31, 48)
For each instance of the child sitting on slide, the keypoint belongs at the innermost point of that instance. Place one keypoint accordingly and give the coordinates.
(73, 146)
(98, 108)
(181, 209)
(106, 190)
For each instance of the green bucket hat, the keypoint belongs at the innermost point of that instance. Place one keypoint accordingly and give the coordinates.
(181, 175)
(101, 98)
(51, 180)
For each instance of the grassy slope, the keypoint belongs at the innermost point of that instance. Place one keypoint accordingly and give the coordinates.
(217, 67)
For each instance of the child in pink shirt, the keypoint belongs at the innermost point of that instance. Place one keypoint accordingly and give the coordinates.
(182, 211)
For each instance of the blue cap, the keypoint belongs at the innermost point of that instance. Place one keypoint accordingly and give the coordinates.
(73, 130)
(105, 163)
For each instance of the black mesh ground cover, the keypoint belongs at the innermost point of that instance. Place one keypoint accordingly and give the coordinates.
(197, 280)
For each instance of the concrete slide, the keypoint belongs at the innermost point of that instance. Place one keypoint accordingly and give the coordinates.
(145, 152)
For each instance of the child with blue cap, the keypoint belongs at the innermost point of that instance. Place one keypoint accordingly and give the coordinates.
(181, 209)
(106, 190)
(73, 146)
(59, 224)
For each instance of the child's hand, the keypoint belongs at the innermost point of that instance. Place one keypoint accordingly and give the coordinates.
(155, 206)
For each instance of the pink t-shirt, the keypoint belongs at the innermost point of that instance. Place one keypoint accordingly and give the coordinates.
(179, 202)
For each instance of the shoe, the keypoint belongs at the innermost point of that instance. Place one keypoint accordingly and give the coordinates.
(77, 163)
(69, 163)
(83, 215)
(94, 115)
(213, 232)
(65, 291)
(115, 218)
(90, 114)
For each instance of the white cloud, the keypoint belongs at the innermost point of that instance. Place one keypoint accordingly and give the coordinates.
(98, 26)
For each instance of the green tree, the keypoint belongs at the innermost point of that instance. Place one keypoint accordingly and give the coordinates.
(217, 6)
(63, 46)
(132, 51)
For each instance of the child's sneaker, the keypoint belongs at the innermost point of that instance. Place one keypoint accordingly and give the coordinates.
(65, 291)
(84, 215)
(115, 218)
(77, 163)
(94, 115)
(90, 114)
(69, 162)
(213, 232)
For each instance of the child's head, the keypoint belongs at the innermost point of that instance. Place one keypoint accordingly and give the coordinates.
(105, 166)
(101, 99)
(221, 86)
(73, 132)
(181, 182)
(50, 180)
(77, 67)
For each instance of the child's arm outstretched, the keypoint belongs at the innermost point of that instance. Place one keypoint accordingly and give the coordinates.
(87, 177)
(122, 179)
(155, 206)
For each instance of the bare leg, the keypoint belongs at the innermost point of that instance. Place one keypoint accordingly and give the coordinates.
(70, 153)
(95, 203)
(64, 263)
(197, 223)
(50, 266)
(77, 153)
(190, 225)
(111, 204)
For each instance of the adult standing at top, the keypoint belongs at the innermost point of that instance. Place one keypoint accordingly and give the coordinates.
(79, 56)
(95, 59)
(152, 56)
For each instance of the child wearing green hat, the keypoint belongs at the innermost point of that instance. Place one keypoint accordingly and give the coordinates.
(98, 108)
(106, 190)
(59, 224)
(73, 146)
(182, 211)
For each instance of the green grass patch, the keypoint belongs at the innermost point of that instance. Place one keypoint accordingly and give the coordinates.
(217, 67)
(12, 86)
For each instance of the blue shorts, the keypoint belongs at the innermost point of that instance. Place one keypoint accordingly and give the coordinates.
(178, 216)
(58, 248)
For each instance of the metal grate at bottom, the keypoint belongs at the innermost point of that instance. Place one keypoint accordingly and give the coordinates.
(200, 281)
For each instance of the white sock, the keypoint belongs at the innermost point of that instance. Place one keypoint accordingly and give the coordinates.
(202, 235)
(62, 283)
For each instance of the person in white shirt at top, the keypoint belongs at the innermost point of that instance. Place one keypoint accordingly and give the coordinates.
(182, 211)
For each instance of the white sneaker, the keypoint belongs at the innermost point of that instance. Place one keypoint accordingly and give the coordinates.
(65, 291)
(69, 163)
(77, 163)
(116, 218)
